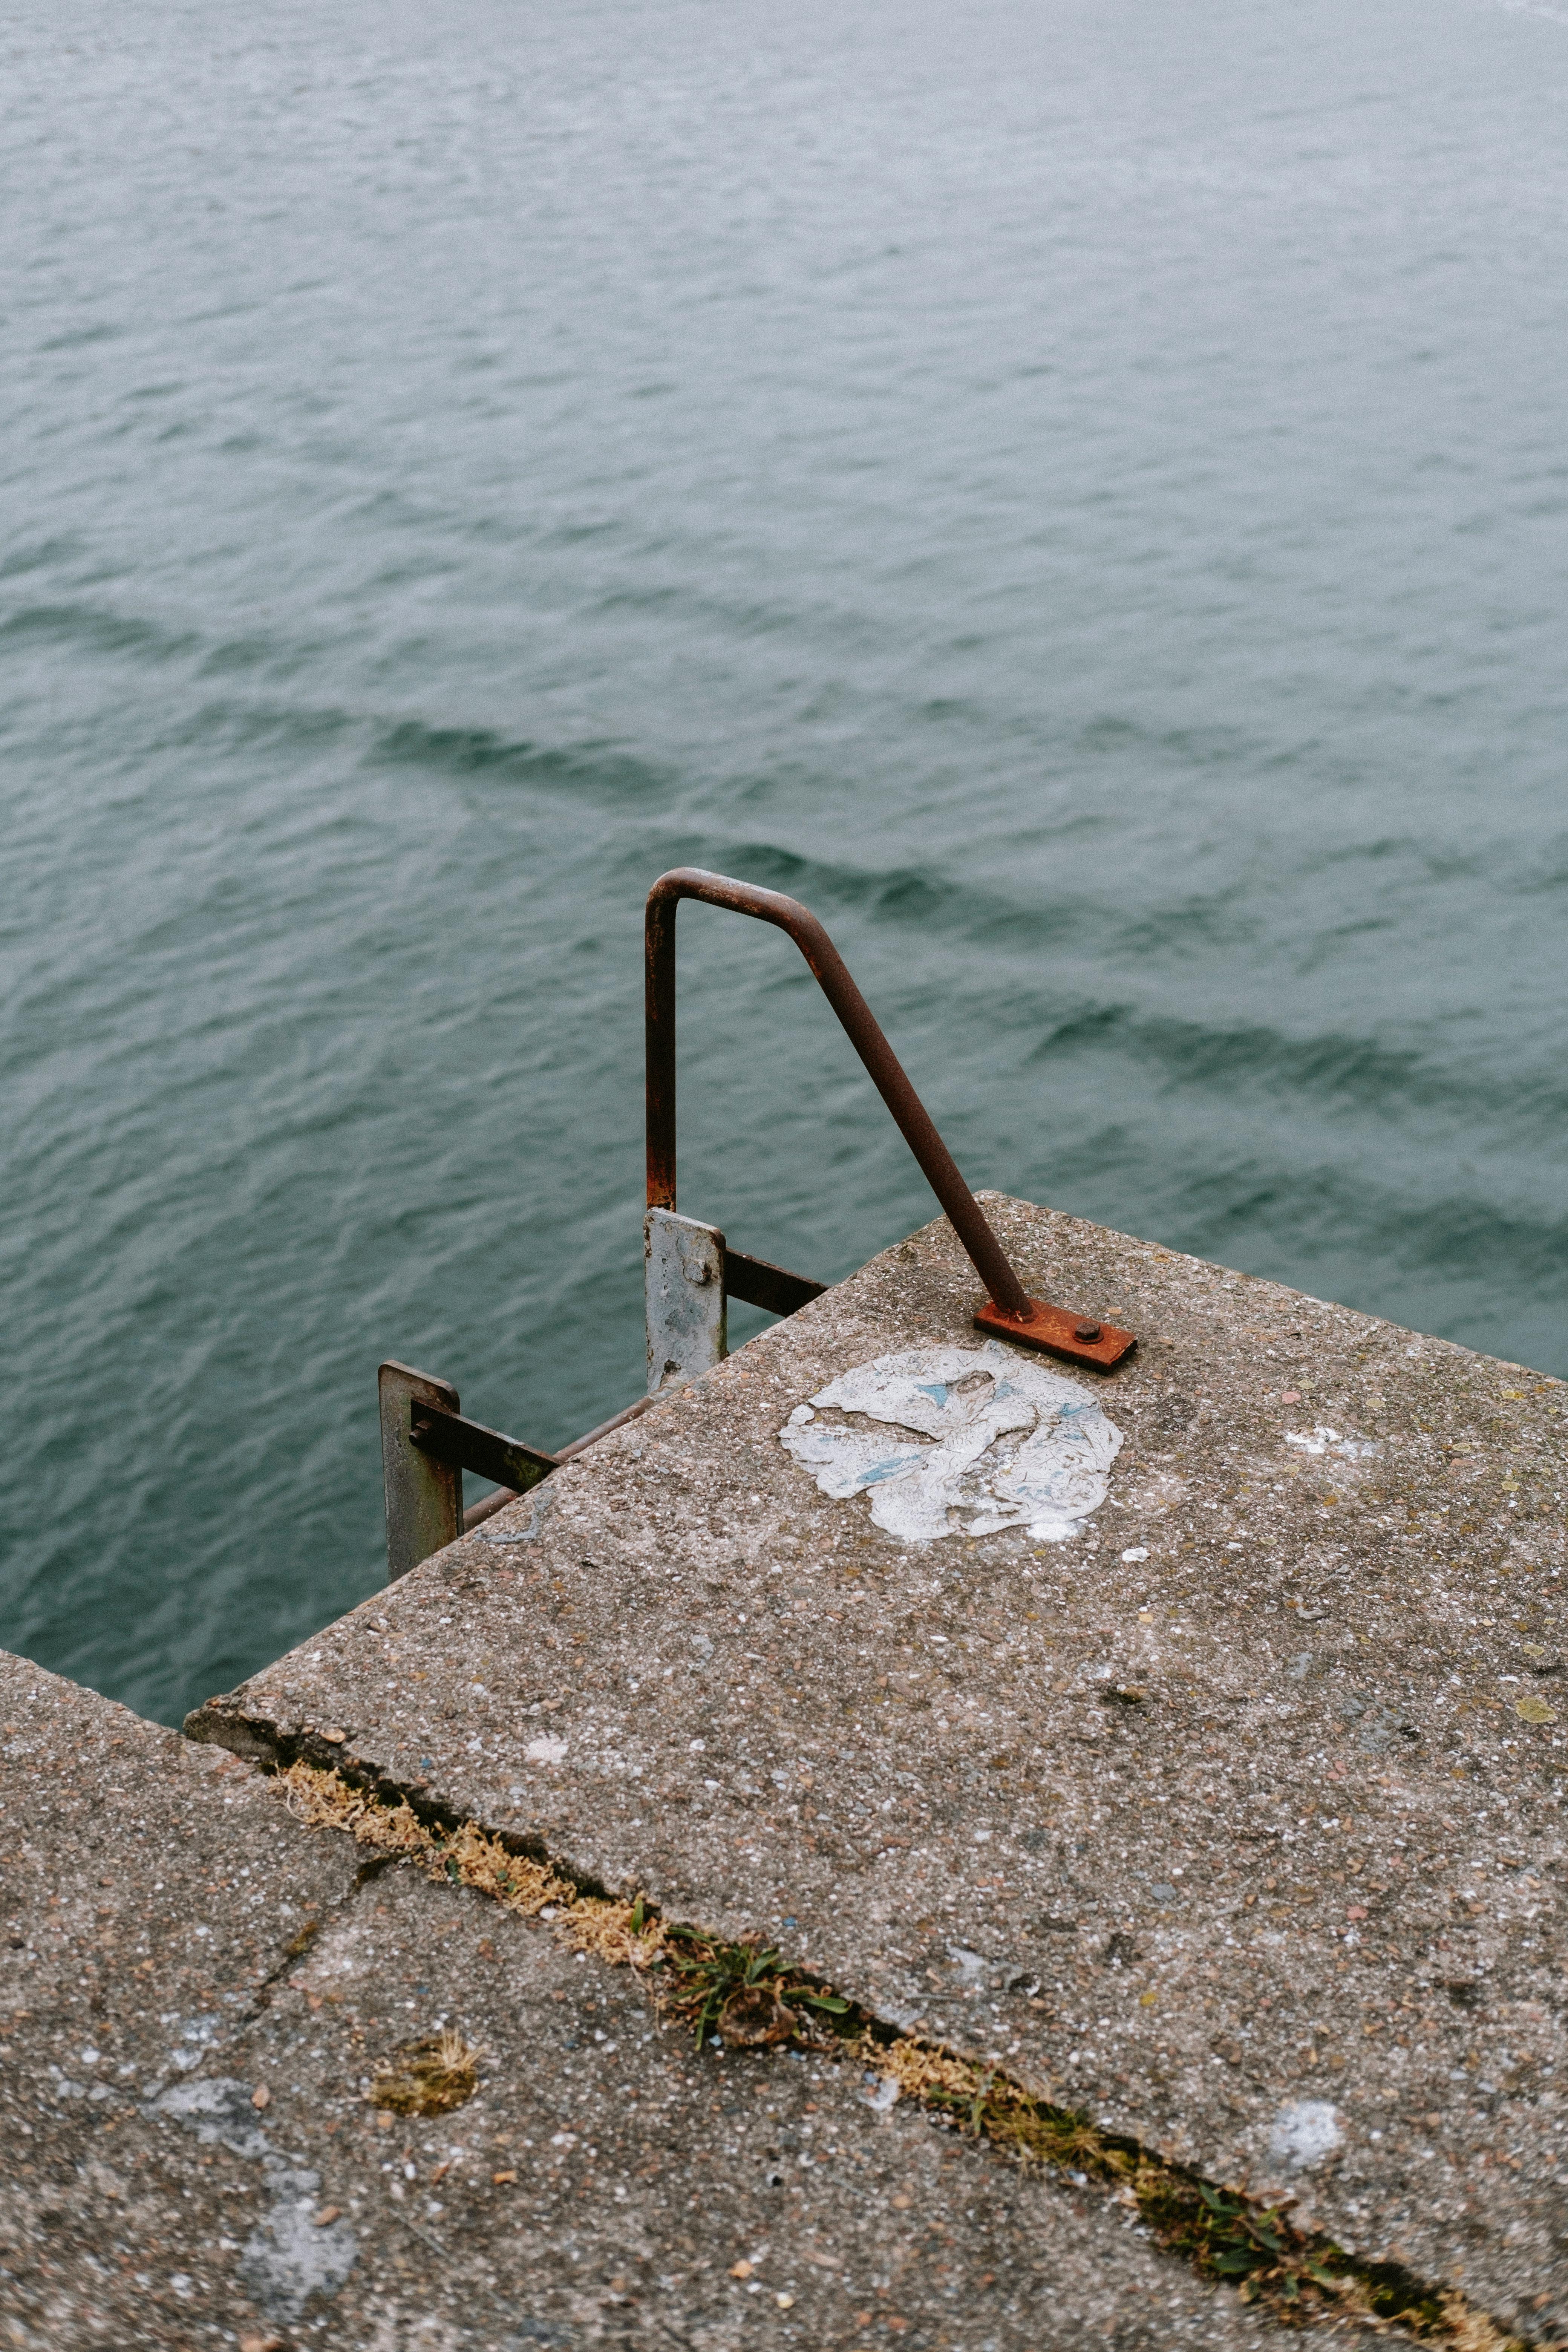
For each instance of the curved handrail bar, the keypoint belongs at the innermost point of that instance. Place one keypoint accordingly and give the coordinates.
(860, 1027)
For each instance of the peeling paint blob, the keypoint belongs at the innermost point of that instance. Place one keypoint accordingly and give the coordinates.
(1304, 2132)
(289, 2258)
(959, 1441)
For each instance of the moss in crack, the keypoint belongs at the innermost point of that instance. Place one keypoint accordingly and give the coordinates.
(1221, 2231)
(749, 1995)
(298, 1946)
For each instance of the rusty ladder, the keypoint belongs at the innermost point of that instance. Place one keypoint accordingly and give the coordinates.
(690, 1271)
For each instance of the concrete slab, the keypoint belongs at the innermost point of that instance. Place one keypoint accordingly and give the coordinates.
(1235, 1818)
(154, 1898)
(200, 1992)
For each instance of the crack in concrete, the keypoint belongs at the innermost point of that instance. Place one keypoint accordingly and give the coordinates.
(1222, 2232)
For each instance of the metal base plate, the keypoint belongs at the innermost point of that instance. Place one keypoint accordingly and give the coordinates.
(1057, 1331)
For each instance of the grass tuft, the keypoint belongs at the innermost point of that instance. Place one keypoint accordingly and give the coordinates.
(744, 1992)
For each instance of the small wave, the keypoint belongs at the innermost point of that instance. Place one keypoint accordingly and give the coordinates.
(1460, 1238)
(1194, 747)
(1544, 883)
(484, 751)
(90, 626)
(906, 895)
(288, 727)
(38, 557)
(1335, 1066)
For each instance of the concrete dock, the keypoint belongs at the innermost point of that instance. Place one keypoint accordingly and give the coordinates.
(1183, 1748)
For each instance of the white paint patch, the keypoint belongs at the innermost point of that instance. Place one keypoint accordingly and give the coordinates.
(197, 2033)
(286, 2258)
(219, 2112)
(1324, 1440)
(1011, 1443)
(1304, 2132)
(545, 1751)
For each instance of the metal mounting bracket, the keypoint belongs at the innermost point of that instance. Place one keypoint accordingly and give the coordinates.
(690, 1275)
(425, 1446)
(683, 1289)
(1056, 1331)
(424, 1496)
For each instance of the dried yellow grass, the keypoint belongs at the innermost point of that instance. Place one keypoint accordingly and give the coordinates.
(1471, 2330)
(611, 1932)
(919, 2070)
(469, 1856)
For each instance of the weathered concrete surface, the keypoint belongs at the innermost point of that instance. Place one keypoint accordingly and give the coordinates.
(154, 1900)
(1223, 1820)
(601, 2188)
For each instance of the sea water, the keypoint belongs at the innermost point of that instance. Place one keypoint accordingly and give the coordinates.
(1074, 492)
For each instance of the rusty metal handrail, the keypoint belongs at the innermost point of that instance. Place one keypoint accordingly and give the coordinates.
(1012, 1309)
(426, 1441)
(860, 1027)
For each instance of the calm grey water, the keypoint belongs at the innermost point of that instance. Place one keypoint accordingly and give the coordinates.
(1075, 492)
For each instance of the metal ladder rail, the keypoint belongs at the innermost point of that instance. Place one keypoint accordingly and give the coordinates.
(691, 1272)
(1008, 1309)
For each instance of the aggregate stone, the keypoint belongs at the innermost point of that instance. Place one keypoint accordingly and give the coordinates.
(1235, 1821)
(193, 2159)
